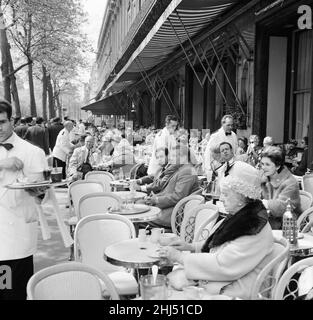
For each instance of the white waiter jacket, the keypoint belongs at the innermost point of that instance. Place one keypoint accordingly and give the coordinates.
(63, 145)
(18, 215)
(215, 140)
(162, 140)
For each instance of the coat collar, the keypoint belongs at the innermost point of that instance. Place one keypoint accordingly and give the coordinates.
(281, 177)
(250, 220)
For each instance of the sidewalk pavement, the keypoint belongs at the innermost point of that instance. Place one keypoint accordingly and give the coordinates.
(51, 252)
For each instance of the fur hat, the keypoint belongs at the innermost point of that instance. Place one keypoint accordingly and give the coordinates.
(244, 179)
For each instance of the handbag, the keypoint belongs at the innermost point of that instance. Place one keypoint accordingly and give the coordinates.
(84, 169)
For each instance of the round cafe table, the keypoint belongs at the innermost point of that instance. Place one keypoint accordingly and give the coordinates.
(121, 184)
(304, 247)
(131, 254)
(147, 216)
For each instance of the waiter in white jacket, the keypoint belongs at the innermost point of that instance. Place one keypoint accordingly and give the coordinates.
(63, 147)
(18, 217)
(224, 134)
(164, 139)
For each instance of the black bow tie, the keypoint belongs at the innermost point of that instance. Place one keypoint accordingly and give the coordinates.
(228, 133)
(8, 146)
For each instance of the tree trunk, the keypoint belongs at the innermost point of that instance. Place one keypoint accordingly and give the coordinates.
(59, 106)
(33, 109)
(44, 92)
(14, 90)
(5, 62)
(57, 99)
(50, 98)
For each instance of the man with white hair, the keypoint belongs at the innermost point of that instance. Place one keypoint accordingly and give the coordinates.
(268, 141)
(63, 147)
(224, 134)
(82, 160)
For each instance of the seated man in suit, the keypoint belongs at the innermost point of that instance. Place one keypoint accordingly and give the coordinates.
(227, 159)
(82, 160)
(156, 184)
(182, 183)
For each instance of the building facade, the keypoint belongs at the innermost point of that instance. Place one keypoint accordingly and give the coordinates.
(202, 59)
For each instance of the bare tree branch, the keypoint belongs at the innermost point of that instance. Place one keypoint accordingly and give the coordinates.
(19, 68)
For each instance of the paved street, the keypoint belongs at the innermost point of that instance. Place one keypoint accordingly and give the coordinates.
(52, 251)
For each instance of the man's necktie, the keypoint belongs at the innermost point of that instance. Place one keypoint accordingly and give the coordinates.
(88, 157)
(228, 167)
(8, 146)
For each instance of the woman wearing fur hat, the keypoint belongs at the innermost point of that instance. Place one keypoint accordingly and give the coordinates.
(238, 247)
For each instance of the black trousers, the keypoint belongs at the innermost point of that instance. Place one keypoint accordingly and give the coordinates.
(21, 272)
(59, 163)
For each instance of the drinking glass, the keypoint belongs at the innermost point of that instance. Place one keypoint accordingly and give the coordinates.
(153, 291)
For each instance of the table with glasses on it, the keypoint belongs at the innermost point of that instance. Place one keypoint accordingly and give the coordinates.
(303, 249)
(138, 213)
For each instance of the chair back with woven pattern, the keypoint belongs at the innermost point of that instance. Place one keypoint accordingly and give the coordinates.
(305, 221)
(94, 233)
(193, 219)
(100, 202)
(78, 189)
(204, 225)
(266, 282)
(69, 281)
(102, 176)
(184, 205)
(308, 183)
(306, 200)
(291, 283)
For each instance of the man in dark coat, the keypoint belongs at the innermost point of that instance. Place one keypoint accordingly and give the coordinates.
(38, 135)
(21, 129)
(54, 130)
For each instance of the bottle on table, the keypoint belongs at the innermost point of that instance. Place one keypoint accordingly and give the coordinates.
(290, 229)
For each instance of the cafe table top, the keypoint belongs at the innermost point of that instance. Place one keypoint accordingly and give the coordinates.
(150, 215)
(132, 254)
(304, 248)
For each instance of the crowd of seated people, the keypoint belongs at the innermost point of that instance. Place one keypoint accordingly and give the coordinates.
(253, 180)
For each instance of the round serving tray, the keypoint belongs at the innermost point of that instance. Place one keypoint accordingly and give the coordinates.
(47, 183)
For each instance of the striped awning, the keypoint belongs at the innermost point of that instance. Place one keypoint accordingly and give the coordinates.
(188, 19)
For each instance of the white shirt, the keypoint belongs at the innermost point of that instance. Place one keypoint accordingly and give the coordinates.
(215, 140)
(63, 146)
(81, 129)
(162, 140)
(18, 216)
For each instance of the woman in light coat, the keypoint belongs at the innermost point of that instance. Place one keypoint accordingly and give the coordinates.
(238, 247)
(278, 185)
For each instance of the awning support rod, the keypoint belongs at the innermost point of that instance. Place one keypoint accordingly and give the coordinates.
(201, 63)
(154, 94)
(227, 78)
(192, 66)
